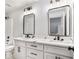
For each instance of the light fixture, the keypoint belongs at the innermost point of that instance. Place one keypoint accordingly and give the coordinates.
(28, 8)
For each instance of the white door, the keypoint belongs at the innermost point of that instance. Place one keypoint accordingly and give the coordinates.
(9, 31)
(53, 56)
(20, 52)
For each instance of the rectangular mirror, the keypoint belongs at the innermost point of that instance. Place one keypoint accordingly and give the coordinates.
(59, 21)
(29, 24)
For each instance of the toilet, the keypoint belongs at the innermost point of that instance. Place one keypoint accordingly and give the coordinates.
(9, 52)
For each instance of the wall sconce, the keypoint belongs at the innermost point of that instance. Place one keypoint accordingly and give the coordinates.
(28, 8)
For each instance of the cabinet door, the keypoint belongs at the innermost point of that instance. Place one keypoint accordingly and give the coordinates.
(62, 57)
(53, 56)
(58, 50)
(49, 56)
(8, 55)
(20, 52)
(30, 58)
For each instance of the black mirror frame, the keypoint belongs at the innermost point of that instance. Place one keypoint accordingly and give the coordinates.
(65, 21)
(24, 24)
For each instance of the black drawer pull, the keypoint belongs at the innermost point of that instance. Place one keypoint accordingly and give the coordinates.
(33, 53)
(71, 48)
(33, 45)
(19, 49)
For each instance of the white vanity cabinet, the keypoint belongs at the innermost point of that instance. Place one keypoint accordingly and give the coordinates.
(54, 56)
(34, 51)
(56, 52)
(20, 50)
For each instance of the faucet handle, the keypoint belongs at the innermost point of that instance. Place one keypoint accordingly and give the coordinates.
(58, 38)
(55, 38)
(62, 39)
(33, 36)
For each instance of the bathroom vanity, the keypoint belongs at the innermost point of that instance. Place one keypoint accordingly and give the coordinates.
(43, 30)
(27, 48)
(60, 46)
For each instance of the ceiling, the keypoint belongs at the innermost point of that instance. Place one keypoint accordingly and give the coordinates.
(11, 5)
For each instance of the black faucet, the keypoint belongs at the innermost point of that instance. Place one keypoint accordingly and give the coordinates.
(27, 36)
(58, 38)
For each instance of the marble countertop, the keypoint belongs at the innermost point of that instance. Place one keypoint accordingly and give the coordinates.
(46, 41)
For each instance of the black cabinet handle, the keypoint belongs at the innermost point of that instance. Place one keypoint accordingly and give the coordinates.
(33, 53)
(33, 45)
(71, 48)
(19, 49)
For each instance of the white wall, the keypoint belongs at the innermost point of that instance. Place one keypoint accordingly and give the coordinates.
(40, 10)
(17, 23)
(41, 19)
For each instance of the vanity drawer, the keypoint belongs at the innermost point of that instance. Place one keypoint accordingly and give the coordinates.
(55, 56)
(35, 54)
(20, 43)
(35, 46)
(58, 50)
